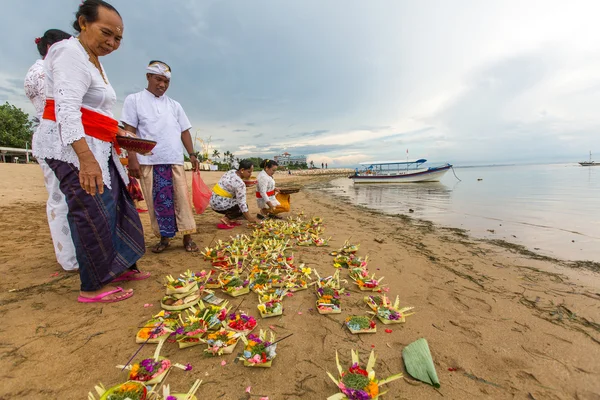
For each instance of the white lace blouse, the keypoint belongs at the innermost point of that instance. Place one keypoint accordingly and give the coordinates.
(265, 183)
(34, 87)
(74, 82)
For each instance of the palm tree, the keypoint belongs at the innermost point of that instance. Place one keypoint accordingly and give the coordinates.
(216, 154)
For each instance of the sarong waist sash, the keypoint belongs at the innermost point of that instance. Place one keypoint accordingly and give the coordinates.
(219, 191)
(94, 124)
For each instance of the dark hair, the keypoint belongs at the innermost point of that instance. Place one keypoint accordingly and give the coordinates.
(268, 163)
(89, 10)
(50, 37)
(162, 62)
(245, 164)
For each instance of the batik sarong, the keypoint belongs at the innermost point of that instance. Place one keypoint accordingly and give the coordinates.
(163, 195)
(105, 228)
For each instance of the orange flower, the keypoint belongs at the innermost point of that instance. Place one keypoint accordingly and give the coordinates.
(373, 389)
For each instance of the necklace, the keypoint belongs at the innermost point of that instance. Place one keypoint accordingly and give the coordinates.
(94, 60)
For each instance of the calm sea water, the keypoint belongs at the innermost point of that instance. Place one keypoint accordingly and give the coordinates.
(551, 209)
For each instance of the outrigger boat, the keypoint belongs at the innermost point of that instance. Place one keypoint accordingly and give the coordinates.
(398, 171)
(589, 163)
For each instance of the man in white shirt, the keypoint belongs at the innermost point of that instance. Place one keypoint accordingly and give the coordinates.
(152, 115)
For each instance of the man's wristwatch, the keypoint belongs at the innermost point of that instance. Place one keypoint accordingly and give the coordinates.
(194, 154)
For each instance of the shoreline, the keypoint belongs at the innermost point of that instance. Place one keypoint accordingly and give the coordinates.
(516, 248)
(499, 324)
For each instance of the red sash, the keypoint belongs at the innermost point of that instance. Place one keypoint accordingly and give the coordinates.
(271, 193)
(94, 124)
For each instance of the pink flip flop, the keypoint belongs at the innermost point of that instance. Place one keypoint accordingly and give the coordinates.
(132, 276)
(224, 226)
(101, 296)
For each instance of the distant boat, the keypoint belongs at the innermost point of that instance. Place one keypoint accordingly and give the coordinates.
(398, 172)
(589, 163)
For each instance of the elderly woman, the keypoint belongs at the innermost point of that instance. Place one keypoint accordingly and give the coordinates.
(266, 190)
(77, 139)
(229, 195)
(56, 206)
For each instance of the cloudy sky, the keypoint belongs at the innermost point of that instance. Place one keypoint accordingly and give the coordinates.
(341, 81)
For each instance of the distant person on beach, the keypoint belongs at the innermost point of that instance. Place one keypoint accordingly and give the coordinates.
(152, 115)
(266, 190)
(77, 139)
(322, 165)
(229, 195)
(325, 165)
(56, 206)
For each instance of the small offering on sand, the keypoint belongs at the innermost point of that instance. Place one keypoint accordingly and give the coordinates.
(358, 382)
(389, 313)
(360, 324)
(270, 306)
(221, 342)
(240, 322)
(258, 352)
(190, 332)
(132, 390)
(233, 285)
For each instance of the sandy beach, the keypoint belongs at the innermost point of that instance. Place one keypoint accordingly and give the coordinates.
(500, 323)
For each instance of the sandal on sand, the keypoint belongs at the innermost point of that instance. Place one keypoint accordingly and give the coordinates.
(191, 247)
(101, 297)
(225, 226)
(132, 275)
(160, 247)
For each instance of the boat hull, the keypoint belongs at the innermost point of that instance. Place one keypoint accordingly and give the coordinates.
(430, 175)
(589, 164)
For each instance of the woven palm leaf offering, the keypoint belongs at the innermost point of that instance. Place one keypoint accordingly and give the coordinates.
(304, 240)
(233, 284)
(135, 144)
(184, 285)
(341, 261)
(360, 324)
(258, 351)
(389, 313)
(374, 301)
(259, 279)
(212, 253)
(332, 281)
(177, 302)
(358, 273)
(159, 327)
(296, 281)
(190, 395)
(270, 305)
(240, 322)
(358, 383)
(151, 371)
(358, 262)
(370, 284)
(328, 300)
(319, 241)
(349, 248)
(212, 315)
(132, 390)
(211, 280)
(222, 341)
(190, 331)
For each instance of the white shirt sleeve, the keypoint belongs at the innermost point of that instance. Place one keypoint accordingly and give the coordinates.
(72, 78)
(240, 196)
(184, 122)
(129, 113)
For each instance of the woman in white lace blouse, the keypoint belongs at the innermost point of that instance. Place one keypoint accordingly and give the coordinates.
(266, 190)
(77, 139)
(56, 206)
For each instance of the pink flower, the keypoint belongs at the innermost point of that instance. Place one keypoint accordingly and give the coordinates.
(223, 363)
(248, 389)
(188, 367)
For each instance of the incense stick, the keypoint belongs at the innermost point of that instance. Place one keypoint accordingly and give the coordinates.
(143, 344)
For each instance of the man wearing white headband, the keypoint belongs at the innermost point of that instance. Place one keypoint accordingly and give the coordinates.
(152, 115)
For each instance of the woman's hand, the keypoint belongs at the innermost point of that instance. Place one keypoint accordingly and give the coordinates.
(123, 132)
(90, 174)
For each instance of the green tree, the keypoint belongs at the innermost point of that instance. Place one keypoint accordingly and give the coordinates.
(15, 127)
(216, 154)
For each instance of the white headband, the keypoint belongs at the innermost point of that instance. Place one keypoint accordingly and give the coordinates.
(159, 68)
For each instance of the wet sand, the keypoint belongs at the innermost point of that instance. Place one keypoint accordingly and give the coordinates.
(512, 325)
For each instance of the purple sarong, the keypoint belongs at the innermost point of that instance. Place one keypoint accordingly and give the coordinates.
(106, 228)
(163, 195)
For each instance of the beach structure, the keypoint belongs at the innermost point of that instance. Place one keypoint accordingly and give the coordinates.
(287, 159)
(11, 154)
(398, 172)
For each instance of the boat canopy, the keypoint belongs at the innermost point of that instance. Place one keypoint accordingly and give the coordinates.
(419, 161)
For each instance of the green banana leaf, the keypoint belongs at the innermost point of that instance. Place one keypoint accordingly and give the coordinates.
(419, 364)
